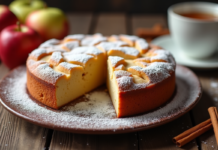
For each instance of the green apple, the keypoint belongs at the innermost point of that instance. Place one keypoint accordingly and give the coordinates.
(49, 23)
(22, 8)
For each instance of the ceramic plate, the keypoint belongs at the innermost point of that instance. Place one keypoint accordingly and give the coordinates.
(167, 43)
(93, 113)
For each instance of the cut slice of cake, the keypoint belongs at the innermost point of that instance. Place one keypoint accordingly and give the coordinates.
(56, 83)
(135, 88)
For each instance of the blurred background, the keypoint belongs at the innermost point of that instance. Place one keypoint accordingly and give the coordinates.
(129, 6)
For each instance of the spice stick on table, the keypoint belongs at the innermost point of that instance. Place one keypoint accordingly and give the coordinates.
(151, 33)
(214, 119)
(192, 133)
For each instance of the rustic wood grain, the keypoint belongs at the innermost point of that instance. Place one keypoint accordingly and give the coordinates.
(79, 22)
(20, 135)
(209, 82)
(147, 21)
(69, 141)
(161, 137)
(110, 23)
(17, 133)
(118, 142)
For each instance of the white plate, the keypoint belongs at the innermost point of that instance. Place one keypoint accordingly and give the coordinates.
(167, 43)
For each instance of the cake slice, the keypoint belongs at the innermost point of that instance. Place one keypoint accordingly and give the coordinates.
(137, 89)
(57, 79)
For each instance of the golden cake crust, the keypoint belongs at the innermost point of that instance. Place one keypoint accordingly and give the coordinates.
(41, 90)
(145, 99)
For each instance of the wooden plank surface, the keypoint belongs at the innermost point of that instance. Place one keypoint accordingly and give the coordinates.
(161, 137)
(108, 24)
(15, 133)
(147, 21)
(79, 22)
(209, 82)
(69, 141)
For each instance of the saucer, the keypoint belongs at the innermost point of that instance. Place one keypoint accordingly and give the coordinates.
(167, 43)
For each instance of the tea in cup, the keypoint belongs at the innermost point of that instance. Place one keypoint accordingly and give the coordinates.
(194, 28)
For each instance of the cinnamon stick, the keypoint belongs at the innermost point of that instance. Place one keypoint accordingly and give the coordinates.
(214, 119)
(151, 33)
(192, 133)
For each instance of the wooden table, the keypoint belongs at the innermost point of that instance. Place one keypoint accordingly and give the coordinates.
(17, 134)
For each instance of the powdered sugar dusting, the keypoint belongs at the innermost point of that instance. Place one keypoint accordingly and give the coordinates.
(130, 37)
(121, 73)
(93, 40)
(50, 43)
(97, 41)
(86, 50)
(87, 116)
(126, 84)
(71, 45)
(161, 55)
(82, 58)
(120, 67)
(114, 38)
(110, 45)
(158, 71)
(37, 53)
(68, 66)
(75, 37)
(114, 60)
(86, 41)
(46, 73)
(56, 57)
(97, 104)
(142, 43)
(57, 48)
(119, 43)
(127, 50)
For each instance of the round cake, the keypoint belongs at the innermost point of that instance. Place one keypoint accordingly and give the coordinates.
(139, 76)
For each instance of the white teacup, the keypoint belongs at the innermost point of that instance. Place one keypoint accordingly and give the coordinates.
(194, 37)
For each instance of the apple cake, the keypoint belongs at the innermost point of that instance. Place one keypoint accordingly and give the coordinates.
(139, 76)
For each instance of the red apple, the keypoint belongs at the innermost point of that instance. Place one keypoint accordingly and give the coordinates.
(16, 42)
(49, 23)
(6, 17)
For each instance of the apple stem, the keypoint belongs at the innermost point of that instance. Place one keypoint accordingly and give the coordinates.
(18, 26)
